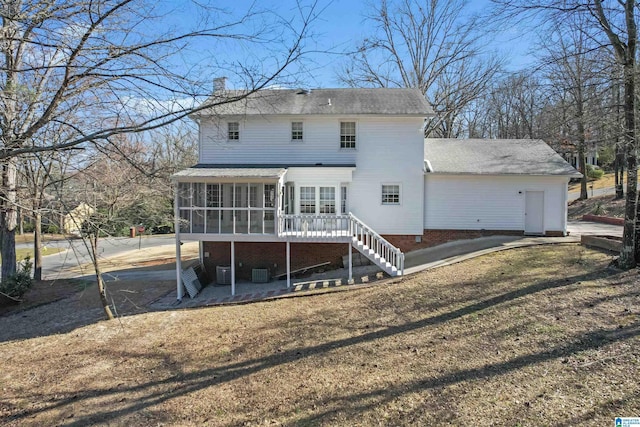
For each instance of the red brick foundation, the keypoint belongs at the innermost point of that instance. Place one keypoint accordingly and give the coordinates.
(430, 238)
(271, 255)
(603, 219)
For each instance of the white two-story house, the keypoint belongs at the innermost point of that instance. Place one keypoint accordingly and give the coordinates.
(289, 179)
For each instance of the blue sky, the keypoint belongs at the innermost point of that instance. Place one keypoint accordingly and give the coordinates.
(339, 27)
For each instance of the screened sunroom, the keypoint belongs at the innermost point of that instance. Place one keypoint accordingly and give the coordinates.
(228, 201)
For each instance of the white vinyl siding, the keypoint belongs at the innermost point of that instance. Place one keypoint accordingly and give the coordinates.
(491, 202)
(267, 140)
(390, 150)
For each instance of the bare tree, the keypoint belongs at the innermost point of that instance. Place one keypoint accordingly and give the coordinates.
(573, 67)
(433, 46)
(115, 184)
(611, 23)
(513, 106)
(109, 62)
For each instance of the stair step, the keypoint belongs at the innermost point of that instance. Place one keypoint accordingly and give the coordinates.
(374, 256)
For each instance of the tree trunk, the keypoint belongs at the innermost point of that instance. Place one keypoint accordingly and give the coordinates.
(582, 165)
(628, 254)
(619, 169)
(20, 222)
(102, 288)
(619, 162)
(37, 246)
(8, 219)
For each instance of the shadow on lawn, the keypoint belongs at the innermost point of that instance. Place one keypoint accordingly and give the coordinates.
(180, 384)
(80, 308)
(361, 402)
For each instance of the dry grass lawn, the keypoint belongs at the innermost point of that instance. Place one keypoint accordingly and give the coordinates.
(608, 180)
(536, 336)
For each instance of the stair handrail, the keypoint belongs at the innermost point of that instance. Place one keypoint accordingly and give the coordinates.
(399, 255)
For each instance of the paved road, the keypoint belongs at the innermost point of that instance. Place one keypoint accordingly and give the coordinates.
(596, 192)
(76, 254)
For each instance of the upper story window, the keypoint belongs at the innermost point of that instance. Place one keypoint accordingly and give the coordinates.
(347, 134)
(296, 131)
(390, 194)
(233, 131)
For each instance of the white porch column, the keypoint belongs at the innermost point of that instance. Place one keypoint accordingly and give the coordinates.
(233, 267)
(565, 207)
(350, 265)
(288, 264)
(176, 224)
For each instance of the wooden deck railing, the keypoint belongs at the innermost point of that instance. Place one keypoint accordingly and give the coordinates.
(321, 227)
(343, 228)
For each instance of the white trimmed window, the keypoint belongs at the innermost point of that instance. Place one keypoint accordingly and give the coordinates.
(307, 200)
(296, 131)
(327, 200)
(343, 199)
(390, 194)
(269, 200)
(347, 134)
(233, 131)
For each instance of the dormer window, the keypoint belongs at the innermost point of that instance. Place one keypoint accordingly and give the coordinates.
(296, 131)
(233, 131)
(347, 134)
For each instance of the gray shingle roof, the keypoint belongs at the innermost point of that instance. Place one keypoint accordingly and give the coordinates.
(388, 101)
(199, 172)
(495, 157)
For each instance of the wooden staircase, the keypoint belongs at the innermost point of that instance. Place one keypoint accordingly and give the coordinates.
(343, 228)
(369, 243)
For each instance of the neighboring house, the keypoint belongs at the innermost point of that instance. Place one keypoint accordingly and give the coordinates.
(569, 151)
(293, 178)
(72, 222)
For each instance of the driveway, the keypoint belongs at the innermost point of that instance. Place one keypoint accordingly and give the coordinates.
(577, 228)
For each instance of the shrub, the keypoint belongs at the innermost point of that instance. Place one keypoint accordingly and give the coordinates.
(52, 229)
(28, 227)
(20, 282)
(594, 172)
(599, 209)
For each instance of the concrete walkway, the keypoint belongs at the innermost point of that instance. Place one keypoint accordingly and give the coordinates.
(416, 261)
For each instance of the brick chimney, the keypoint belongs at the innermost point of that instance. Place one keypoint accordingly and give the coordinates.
(219, 84)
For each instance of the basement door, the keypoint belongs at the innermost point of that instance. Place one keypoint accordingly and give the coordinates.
(534, 212)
